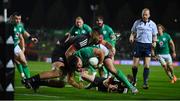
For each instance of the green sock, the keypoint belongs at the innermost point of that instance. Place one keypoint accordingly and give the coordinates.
(19, 68)
(26, 71)
(124, 79)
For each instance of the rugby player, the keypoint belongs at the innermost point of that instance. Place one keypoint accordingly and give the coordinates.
(164, 44)
(20, 32)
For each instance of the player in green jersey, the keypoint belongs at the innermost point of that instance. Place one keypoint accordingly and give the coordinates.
(79, 59)
(19, 44)
(79, 28)
(108, 35)
(164, 44)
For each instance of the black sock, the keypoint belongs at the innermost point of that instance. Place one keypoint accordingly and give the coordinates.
(145, 75)
(134, 72)
(36, 78)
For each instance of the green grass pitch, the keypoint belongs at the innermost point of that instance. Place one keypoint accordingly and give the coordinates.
(160, 87)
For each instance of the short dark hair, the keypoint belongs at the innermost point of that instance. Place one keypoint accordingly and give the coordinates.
(16, 14)
(99, 18)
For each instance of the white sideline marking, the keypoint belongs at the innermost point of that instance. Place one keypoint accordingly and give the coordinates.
(40, 95)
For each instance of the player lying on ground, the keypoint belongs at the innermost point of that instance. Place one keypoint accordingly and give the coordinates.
(109, 84)
(78, 61)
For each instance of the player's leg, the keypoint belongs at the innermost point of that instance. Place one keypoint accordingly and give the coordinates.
(146, 72)
(171, 69)
(20, 69)
(17, 50)
(21, 58)
(119, 74)
(137, 53)
(161, 59)
(43, 77)
(135, 69)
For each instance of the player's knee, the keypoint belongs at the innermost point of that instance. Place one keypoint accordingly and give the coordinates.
(146, 65)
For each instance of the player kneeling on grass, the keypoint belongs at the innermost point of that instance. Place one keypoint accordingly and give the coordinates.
(163, 52)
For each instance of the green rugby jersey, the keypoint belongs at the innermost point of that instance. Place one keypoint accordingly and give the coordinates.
(107, 32)
(18, 29)
(85, 53)
(163, 44)
(85, 29)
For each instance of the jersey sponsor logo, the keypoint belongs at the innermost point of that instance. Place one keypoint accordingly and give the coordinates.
(161, 43)
(83, 43)
(20, 29)
(83, 31)
(76, 32)
(17, 34)
(164, 39)
(104, 32)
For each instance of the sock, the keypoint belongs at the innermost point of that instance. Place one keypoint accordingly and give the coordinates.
(134, 72)
(124, 79)
(52, 83)
(20, 69)
(35, 79)
(105, 72)
(26, 71)
(145, 75)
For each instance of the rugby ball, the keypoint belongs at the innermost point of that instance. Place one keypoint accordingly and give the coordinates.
(93, 61)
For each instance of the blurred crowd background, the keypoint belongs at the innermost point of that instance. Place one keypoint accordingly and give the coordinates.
(49, 20)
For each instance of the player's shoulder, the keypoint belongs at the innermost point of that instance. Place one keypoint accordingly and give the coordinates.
(20, 25)
(107, 27)
(152, 22)
(166, 34)
(137, 21)
(86, 25)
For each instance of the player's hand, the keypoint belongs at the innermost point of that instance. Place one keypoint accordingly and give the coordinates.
(174, 55)
(154, 44)
(81, 85)
(34, 40)
(154, 58)
(131, 39)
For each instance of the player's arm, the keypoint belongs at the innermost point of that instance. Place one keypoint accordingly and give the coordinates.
(132, 37)
(172, 46)
(154, 40)
(70, 51)
(71, 81)
(133, 32)
(27, 35)
(22, 43)
(154, 35)
(100, 54)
